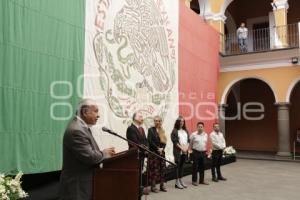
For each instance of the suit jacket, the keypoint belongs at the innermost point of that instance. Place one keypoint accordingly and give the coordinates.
(134, 135)
(154, 140)
(81, 155)
(175, 140)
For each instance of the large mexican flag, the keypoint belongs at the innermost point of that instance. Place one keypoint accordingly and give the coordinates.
(122, 53)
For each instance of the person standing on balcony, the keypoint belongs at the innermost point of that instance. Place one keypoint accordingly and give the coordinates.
(242, 35)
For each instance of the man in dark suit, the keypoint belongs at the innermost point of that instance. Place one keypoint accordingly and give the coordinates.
(81, 154)
(136, 133)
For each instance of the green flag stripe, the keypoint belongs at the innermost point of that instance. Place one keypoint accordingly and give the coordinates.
(41, 45)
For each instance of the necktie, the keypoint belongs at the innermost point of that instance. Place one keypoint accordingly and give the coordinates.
(141, 130)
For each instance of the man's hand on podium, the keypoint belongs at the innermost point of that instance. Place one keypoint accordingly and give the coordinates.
(109, 152)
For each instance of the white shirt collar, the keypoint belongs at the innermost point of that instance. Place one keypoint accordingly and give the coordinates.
(138, 126)
(83, 122)
(217, 133)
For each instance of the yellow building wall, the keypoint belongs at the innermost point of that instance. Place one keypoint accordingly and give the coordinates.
(280, 17)
(216, 5)
(187, 2)
(217, 25)
(279, 80)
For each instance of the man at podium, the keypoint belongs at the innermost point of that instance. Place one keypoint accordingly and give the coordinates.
(81, 154)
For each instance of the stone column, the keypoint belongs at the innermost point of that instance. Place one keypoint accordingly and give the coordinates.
(280, 8)
(283, 124)
(222, 120)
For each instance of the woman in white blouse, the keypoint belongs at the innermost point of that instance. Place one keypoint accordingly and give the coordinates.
(180, 139)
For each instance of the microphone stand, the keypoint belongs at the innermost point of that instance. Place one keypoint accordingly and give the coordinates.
(140, 147)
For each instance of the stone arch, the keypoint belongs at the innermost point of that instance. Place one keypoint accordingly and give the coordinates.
(233, 82)
(241, 128)
(225, 6)
(230, 23)
(291, 88)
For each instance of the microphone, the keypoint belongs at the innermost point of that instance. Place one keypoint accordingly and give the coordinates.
(107, 130)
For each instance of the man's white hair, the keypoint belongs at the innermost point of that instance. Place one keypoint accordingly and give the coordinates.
(84, 103)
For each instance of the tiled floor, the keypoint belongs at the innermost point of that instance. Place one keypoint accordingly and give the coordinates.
(247, 180)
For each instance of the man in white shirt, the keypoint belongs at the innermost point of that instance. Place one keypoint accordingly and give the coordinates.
(242, 35)
(198, 143)
(218, 145)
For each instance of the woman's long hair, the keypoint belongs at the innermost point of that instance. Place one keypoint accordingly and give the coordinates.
(177, 124)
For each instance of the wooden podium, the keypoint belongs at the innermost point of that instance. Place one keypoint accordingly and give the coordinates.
(119, 178)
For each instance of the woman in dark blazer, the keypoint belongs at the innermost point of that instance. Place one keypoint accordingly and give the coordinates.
(156, 167)
(180, 139)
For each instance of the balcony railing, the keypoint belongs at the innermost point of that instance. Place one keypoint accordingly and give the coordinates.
(259, 40)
